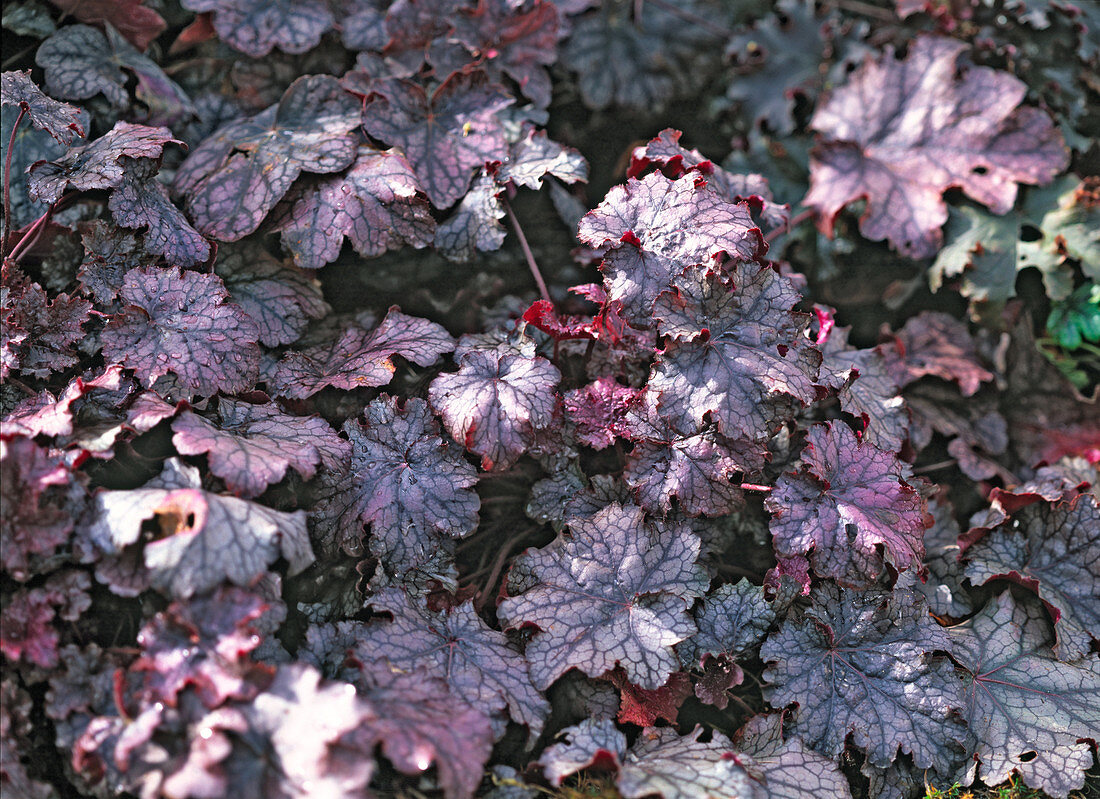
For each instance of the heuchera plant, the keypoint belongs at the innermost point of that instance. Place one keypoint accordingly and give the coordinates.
(349, 448)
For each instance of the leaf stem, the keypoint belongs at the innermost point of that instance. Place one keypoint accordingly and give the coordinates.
(531, 263)
(31, 236)
(755, 487)
(7, 177)
(792, 223)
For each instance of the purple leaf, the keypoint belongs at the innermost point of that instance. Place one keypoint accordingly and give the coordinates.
(666, 764)
(860, 664)
(599, 411)
(204, 538)
(732, 620)
(279, 297)
(615, 592)
(418, 721)
(81, 62)
(496, 402)
(1055, 549)
(140, 25)
(203, 643)
(409, 484)
(695, 467)
(141, 202)
(363, 25)
(239, 173)
(850, 499)
(109, 253)
(474, 226)
(867, 390)
(377, 204)
(29, 146)
(181, 323)
(478, 663)
(256, 26)
(535, 156)
(445, 137)
(60, 120)
(251, 446)
(359, 358)
(38, 333)
(656, 227)
(943, 587)
(736, 353)
(43, 414)
(1026, 709)
(593, 742)
(98, 165)
(788, 769)
(899, 133)
(934, 343)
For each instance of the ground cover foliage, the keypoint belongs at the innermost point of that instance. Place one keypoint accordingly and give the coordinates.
(501, 397)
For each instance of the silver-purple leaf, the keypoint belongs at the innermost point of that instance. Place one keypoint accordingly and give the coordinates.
(182, 324)
(238, 174)
(99, 164)
(1027, 710)
(737, 353)
(732, 620)
(407, 482)
(477, 662)
(666, 764)
(849, 508)
(788, 769)
(279, 297)
(251, 446)
(140, 201)
(535, 156)
(377, 204)
(361, 358)
(495, 402)
(586, 744)
(656, 227)
(446, 136)
(60, 120)
(616, 591)
(474, 226)
(256, 26)
(205, 538)
(1054, 548)
(860, 663)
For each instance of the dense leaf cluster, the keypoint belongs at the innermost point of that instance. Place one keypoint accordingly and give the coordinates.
(312, 489)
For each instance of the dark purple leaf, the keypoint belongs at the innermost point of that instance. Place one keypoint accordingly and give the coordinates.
(860, 663)
(732, 620)
(1055, 549)
(671, 766)
(656, 227)
(666, 152)
(26, 631)
(518, 40)
(377, 204)
(849, 508)
(496, 402)
(409, 484)
(183, 324)
(203, 643)
(60, 120)
(238, 174)
(478, 663)
(140, 25)
(445, 137)
(593, 742)
(361, 358)
(279, 297)
(29, 146)
(737, 353)
(109, 253)
(98, 165)
(251, 446)
(474, 226)
(256, 26)
(418, 721)
(788, 770)
(204, 538)
(81, 62)
(615, 592)
(38, 333)
(17, 732)
(964, 127)
(943, 588)
(140, 201)
(934, 343)
(362, 26)
(599, 411)
(646, 707)
(978, 432)
(1026, 709)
